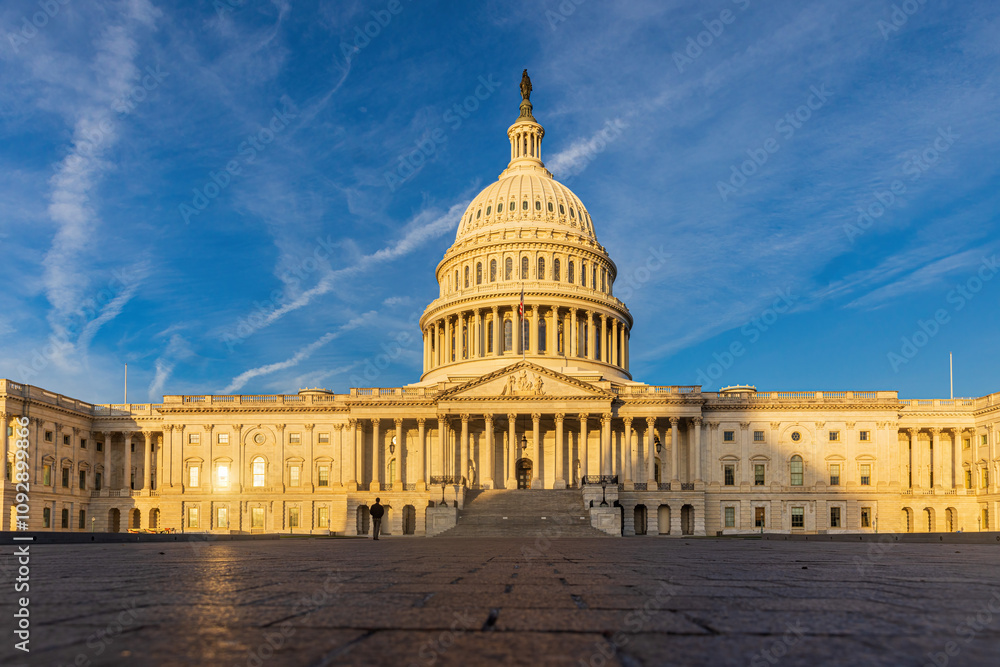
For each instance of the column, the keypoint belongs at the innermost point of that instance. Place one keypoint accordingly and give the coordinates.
(956, 457)
(208, 474)
(605, 347)
(674, 457)
(910, 477)
(397, 482)
(696, 449)
(127, 475)
(625, 351)
(340, 456)
(486, 458)
(533, 330)
(146, 456)
(376, 483)
(560, 480)
(627, 452)
(615, 352)
(442, 441)
(584, 450)
(591, 336)
(479, 353)
(463, 473)
(351, 456)
(449, 339)
(106, 482)
(422, 466)
(650, 454)
(4, 422)
(937, 458)
(495, 324)
(536, 450)
(574, 337)
(606, 443)
(552, 349)
(511, 451)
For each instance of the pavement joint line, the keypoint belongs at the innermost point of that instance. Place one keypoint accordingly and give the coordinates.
(330, 658)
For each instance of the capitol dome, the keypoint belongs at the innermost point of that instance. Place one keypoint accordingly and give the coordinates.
(526, 234)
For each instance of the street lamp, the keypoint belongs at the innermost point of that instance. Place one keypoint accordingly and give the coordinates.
(659, 447)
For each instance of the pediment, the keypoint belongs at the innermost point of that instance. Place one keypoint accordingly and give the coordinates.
(525, 380)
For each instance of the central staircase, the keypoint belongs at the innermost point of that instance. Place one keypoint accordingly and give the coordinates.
(523, 513)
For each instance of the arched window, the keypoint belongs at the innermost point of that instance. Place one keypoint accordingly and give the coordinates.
(479, 213)
(499, 207)
(583, 273)
(465, 342)
(479, 273)
(569, 273)
(525, 205)
(541, 268)
(796, 470)
(593, 278)
(257, 469)
(538, 205)
(542, 338)
(560, 334)
(603, 278)
(508, 335)
(489, 339)
(456, 280)
(555, 270)
(572, 213)
(508, 269)
(550, 207)
(488, 209)
(466, 277)
(524, 268)
(562, 211)
(493, 270)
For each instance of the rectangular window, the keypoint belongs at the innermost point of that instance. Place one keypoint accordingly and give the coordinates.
(194, 438)
(324, 517)
(192, 517)
(730, 517)
(728, 436)
(65, 439)
(796, 471)
(758, 474)
(324, 476)
(65, 478)
(866, 517)
(798, 517)
(222, 472)
(730, 474)
(983, 440)
(46, 475)
(97, 481)
(223, 438)
(966, 443)
(323, 438)
(83, 443)
(99, 446)
(758, 436)
(46, 517)
(986, 478)
(294, 438)
(257, 517)
(293, 476)
(834, 474)
(866, 474)
(65, 518)
(834, 517)
(48, 436)
(864, 436)
(222, 517)
(83, 519)
(193, 476)
(834, 436)
(293, 517)
(83, 480)
(968, 479)
(758, 517)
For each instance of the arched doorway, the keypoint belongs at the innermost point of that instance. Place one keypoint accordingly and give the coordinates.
(639, 519)
(687, 520)
(522, 470)
(386, 527)
(154, 518)
(409, 520)
(663, 519)
(908, 520)
(951, 519)
(929, 519)
(363, 520)
(135, 519)
(114, 520)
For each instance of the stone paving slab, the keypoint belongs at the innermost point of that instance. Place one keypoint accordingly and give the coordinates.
(631, 602)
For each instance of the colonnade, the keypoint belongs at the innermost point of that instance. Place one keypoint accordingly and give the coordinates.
(931, 465)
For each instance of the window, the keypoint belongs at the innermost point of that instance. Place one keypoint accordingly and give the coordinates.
(759, 514)
(222, 473)
(83, 480)
(324, 476)
(866, 474)
(479, 273)
(796, 436)
(569, 273)
(258, 471)
(524, 268)
(966, 443)
(866, 517)
(493, 270)
(257, 517)
(968, 479)
(99, 446)
(986, 477)
(192, 517)
(83, 443)
(796, 470)
(524, 205)
(730, 474)
(730, 517)
(758, 436)
(864, 436)
(479, 214)
(562, 211)
(834, 436)
(294, 438)
(728, 436)
(65, 518)
(583, 273)
(508, 336)
(466, 277)
(758, 474)
(193, 476)
(555, 268)
(572, 213)
(538, 205)
(83, 520)
(323, 517)
(48, 436)
(323, 438)
(222, 517)
(834, 474)
(223, 438)
(194, 438)
(798, 517)
(46, 517)
(508, 268)
(500, 207)
(834, 517)
(550, 207)
(97, 481)
(65, 478)
(543, 337)
(489, 209)
(65, 439)
(46, 475)
(293, 476)
(293, 517)
(541, 269)
(603, 281)
(983, 440)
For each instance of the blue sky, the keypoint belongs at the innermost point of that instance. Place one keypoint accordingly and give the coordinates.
(200, 190)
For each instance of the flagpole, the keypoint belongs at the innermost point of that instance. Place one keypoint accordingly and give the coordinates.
(522, 321)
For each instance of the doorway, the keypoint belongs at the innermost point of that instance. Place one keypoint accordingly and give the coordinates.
(114, 520)
(523, 473)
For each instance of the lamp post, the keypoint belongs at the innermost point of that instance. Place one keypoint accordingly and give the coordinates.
(93, 527)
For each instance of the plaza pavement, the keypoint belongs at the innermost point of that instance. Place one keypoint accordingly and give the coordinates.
(412, 601)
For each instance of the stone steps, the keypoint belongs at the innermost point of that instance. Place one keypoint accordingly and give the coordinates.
(523, 513)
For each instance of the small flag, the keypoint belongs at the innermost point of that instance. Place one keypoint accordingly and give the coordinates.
(520, 308)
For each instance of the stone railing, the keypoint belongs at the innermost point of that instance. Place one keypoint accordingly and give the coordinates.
(798, 396)
(687, 486)
(444, 479)
(645, 390)
(639, 486)
(601, 479)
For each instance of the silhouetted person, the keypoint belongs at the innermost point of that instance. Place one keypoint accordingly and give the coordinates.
(376, 511)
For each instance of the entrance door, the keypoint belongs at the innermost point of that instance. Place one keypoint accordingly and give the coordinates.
(523, 470)
(758, 517)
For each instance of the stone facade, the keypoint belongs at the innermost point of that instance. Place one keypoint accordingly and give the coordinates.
(526, 384)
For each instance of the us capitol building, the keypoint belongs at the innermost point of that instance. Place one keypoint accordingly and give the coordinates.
(523, 402)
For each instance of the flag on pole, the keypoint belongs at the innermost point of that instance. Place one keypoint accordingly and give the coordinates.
(520, 308)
